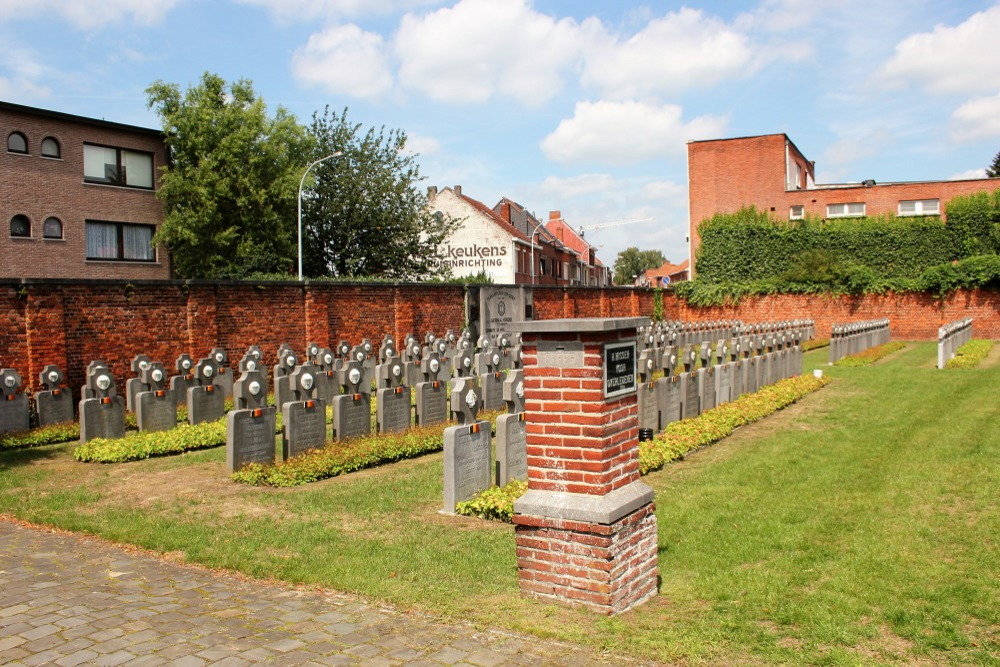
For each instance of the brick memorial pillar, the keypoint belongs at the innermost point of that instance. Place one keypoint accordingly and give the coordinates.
(586, 528)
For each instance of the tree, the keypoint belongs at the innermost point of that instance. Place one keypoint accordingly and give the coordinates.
(364, 214)
(632, 261)
(993, 171)
(231, 180)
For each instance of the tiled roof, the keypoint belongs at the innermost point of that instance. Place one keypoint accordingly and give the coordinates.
(571, 238)
(495, 217)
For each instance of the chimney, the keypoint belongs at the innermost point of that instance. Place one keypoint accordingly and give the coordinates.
(505, 211)
(555, 215)
(432, 191)
(458, 190)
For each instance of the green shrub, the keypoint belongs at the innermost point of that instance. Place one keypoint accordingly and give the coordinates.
(970, 354)
(869, 356)
(815, 344)
(978, 271)
(43, 435)
(144, 444)
(495, 503)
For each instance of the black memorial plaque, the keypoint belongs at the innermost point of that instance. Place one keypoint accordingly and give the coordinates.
(619, 369)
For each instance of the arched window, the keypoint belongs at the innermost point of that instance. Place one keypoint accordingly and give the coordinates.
(20, 226)
(16, 143)
(50, 148)
(52, 228)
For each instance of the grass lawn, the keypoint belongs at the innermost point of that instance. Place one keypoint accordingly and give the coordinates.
(859, 526)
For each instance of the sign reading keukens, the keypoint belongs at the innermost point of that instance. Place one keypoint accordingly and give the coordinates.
(474, 256)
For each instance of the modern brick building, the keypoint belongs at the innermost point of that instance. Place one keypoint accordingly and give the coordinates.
(771, 173)
(77, 197)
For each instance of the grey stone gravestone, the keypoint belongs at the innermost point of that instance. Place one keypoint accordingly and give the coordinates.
(224, 374)
(690, 401)
(386, 349)
(466, 447)
(206, 401)
(706, 387)
(352, 410)
(668, 396)
(87, 391)
(327, 382)
(156, 408)
(753, 374)
(646, 401)
(287, 361)
(492, 380)
(432, 393)
(411, 357)
(723, 375)
(54, 403)
(184, 380)
(512, 443)
(367, 366)
(135, 385)
(312, 353)
(392, 399)
(250, 427)
(102, 416)
(304, 418)
(13, 406)
(463, 364)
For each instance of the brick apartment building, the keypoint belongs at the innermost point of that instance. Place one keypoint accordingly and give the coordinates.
(77, 197)
(771, 173)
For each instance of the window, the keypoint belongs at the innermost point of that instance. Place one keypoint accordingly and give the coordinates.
(50, 148)
(120, 241)
(20, 226)
(920, 207)
(117, 166)
(52, 228)
(16, 143)
(797, 212)
(856, 209)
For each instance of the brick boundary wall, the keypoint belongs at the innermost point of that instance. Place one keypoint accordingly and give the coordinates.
(72, 322)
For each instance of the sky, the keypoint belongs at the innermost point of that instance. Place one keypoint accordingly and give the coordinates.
(581, 106)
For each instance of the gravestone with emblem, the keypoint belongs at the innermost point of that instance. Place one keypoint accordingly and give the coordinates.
(736, 373)
(206, 402)
(54, 402)
(327, 382)
(223, 373)
(365, 362)
(411, 356)
(690, 401)
(723, 374)
(155, 408)
(491, 380)
(512, 445)
(467, 468)
(180, 383)
(352, 409)
(312, 353)
(392, 399)
(13, 405)
(706, 387)
(287, 361)
(432, 392)
(102, 416)
(646, 401)
(668, 389)
(135, 385)
(250, 427)
(86, 391)
(304, 417)
(463, 363)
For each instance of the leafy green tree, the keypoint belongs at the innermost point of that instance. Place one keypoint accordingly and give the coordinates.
(993, 171)
(231, 181)
(364, 214)
(632, 261)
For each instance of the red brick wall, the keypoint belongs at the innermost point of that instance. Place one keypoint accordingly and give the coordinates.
(41, 187)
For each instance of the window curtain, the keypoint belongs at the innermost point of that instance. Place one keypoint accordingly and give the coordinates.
(102, 240)
(138, 242)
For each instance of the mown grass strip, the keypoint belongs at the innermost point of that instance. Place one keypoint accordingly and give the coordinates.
(971, 354)
(869, 356)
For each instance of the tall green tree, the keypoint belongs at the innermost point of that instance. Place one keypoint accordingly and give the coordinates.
(364, 212)
(231, 182)
(993, 171)
(632, 261)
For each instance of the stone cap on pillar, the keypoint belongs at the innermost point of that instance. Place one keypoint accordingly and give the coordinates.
(580, 325)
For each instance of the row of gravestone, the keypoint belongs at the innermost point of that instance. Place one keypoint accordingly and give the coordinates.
(735, 367)
(674, 332)
(952, 336)
(854, 337)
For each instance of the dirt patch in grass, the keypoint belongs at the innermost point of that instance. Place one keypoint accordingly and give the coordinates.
(992, 359)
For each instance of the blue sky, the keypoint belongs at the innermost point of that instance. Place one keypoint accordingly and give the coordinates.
(580, 106)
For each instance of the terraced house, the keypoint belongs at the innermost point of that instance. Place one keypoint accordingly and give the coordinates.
(78, 197)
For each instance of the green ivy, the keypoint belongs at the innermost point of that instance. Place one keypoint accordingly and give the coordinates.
(657, 304)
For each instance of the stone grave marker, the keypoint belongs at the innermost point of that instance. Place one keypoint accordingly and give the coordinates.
(362, 358)
(327, 382)
(13, 406)
(53, 403)
(287, 361)
(87, 391)
(392, 399)
(690, 400)
(386, 349)
(463, 363)
(134, 384)
(646, 401)
(723, 374)
(668, 389)
(432, 392)
(467, 450)
(250, 427)
(706, 387)
(492, 380)
(737, 372)
(102, 416)
(753, 374)
(304, 417)
(352, 410)
(312, 353)
(155, 408)
(184, 380)
(411, 357)
(206, 401)
(223, 374)
(512, 445)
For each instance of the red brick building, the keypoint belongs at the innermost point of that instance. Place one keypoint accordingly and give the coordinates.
(77, 197)
(589, 270)
(665, 274)
(771, 173)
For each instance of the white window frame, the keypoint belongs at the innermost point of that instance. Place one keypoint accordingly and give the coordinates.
(920, 207)
(801, 214)
(846, 212)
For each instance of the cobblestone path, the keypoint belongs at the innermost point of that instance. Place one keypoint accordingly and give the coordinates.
(69, 600)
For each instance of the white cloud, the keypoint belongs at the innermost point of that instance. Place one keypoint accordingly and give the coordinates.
(683, 49)
(554, 187)
(421, 145)
(850, 149)
(345, 59)
(478, 50)
(89, 14)
(289, 11)
(968, 174)
(950, 59)
(626, 132)
(979, 118)
(665, 191)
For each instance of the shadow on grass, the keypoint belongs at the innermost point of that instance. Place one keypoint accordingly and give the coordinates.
(18, 457)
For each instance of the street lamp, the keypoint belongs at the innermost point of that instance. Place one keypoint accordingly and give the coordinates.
(301, 181)
(531, 240)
